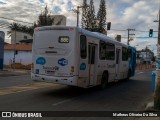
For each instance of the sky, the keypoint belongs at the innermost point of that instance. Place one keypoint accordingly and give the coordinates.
(123, 15)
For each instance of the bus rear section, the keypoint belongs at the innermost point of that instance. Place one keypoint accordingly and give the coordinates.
(53, 59)
(132, 61)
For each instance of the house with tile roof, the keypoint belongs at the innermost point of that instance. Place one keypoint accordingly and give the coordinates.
(23, 54)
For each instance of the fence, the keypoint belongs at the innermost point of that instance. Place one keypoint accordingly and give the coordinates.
(145, 66)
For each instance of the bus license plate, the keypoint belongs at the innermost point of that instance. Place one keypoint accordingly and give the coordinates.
(50, 72)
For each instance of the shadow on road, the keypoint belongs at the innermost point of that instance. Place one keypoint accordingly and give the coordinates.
(120, 87)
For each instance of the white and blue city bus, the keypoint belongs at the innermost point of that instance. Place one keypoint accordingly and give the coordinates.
(77, 57)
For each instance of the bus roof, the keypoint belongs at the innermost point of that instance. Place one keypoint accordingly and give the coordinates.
(101, 36)
(133, 48)
(83, 31)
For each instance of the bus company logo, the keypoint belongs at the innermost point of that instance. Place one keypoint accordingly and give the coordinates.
(62, 62)
(40, 61)
(83, 66)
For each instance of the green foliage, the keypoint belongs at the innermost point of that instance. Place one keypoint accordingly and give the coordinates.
(101, 16)
(44, 19)
(85, 10)
(92, 22)
(153, 58)
(20, 28)
(92, 17)
(88, 16)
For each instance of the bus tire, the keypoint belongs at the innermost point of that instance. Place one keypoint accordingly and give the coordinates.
(129, 73)
(104, 80)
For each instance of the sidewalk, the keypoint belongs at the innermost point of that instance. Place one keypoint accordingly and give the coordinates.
(149, 105)
(15, 72)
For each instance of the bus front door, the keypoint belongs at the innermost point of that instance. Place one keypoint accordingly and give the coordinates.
(117, 63)
(91, 62)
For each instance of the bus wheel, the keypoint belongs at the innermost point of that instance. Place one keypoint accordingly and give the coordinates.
(128, 76)
(104, 81)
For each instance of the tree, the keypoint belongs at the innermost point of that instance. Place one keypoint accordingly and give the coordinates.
(101, 16)
(88, 16)
(20, 28)
(85, 10)
(154, 58)
(92, 17)
(15, 27)
(44, 18)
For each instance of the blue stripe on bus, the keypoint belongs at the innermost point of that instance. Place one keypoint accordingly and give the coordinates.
(132, 62)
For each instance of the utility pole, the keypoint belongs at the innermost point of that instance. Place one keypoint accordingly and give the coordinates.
(78, 15)
(157, 88)
(14, 54)
(77, 11)
(129, 35)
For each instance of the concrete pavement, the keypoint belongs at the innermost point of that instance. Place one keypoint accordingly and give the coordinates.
(15, 72)
(150, 105)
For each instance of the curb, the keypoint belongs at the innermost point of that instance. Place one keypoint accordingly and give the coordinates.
(150, 107)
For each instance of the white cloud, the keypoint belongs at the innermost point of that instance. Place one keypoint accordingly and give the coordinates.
(124, 14)
(135, 14)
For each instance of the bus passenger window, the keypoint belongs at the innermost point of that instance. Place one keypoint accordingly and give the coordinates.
(83, 46)
(124, 54)
(110, 51)
(102, 50)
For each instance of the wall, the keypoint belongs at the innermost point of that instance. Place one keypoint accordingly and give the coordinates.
(23, 57)
(19, 36)
(1, 49)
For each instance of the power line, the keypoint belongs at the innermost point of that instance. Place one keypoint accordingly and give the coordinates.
(5, 27)
(144, 31)
(141, 37)
(4, 24)
(135, 30)
(118, 30)
(15, 20)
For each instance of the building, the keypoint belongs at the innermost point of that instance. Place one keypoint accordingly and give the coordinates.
(2, 35)
(145, 56)
(17, 37)
(23, 54)
(59, 20)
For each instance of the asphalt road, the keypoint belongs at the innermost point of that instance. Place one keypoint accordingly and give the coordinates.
(19, 93)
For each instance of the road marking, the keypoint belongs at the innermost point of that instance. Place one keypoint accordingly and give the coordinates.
(140, 72)
(63, 101)
(23, 88)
